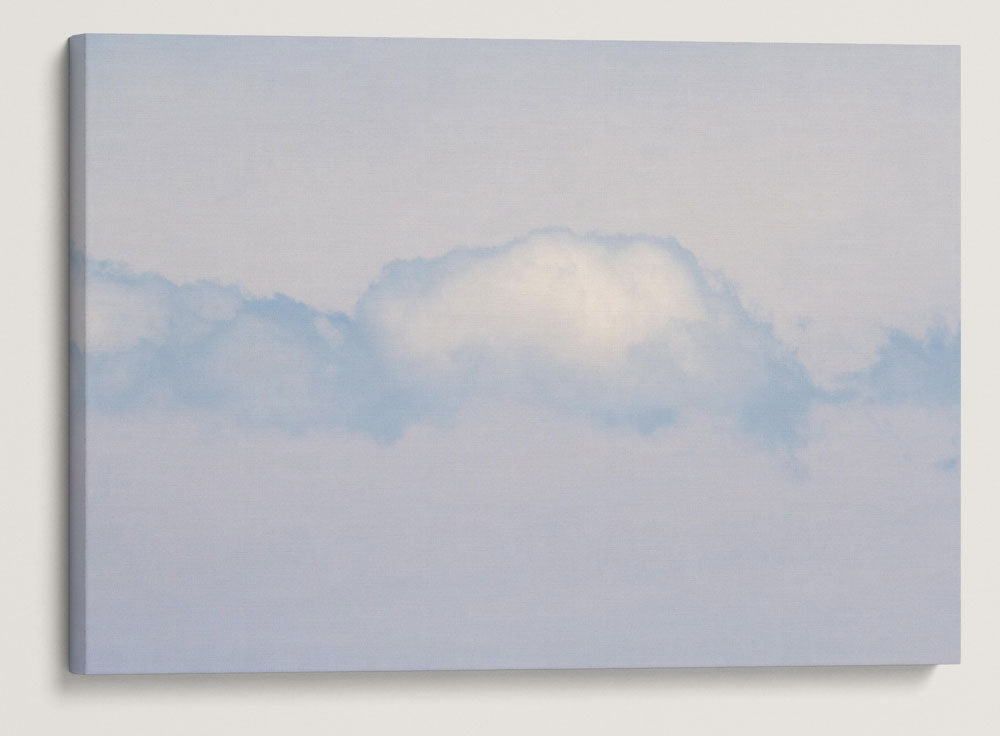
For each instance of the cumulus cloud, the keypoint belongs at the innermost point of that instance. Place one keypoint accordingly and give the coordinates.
(561, 299)
(912, 370)
(621, 330)
(626, 331)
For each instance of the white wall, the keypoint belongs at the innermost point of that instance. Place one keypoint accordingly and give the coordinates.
(38, 696)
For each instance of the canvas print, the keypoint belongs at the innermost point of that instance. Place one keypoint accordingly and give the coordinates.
(395, 354)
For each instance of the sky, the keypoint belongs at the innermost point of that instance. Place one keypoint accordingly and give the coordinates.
(416, 353)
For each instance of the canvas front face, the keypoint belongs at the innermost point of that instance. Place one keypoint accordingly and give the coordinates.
(415, 354)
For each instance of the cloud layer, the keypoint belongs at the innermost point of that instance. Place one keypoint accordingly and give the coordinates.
(624, 331)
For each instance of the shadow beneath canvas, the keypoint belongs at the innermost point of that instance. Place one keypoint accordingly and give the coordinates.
(717, 679)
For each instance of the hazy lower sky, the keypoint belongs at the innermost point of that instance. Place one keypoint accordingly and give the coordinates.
(442, 353)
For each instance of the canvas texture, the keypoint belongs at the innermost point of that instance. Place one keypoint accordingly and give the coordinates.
(394, 354)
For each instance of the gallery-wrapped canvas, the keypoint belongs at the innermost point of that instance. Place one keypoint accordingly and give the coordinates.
(396, 354)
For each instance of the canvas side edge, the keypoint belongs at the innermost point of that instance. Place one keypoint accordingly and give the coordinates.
(77, 384)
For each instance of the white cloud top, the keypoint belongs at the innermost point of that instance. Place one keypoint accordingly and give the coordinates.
(554, 296)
